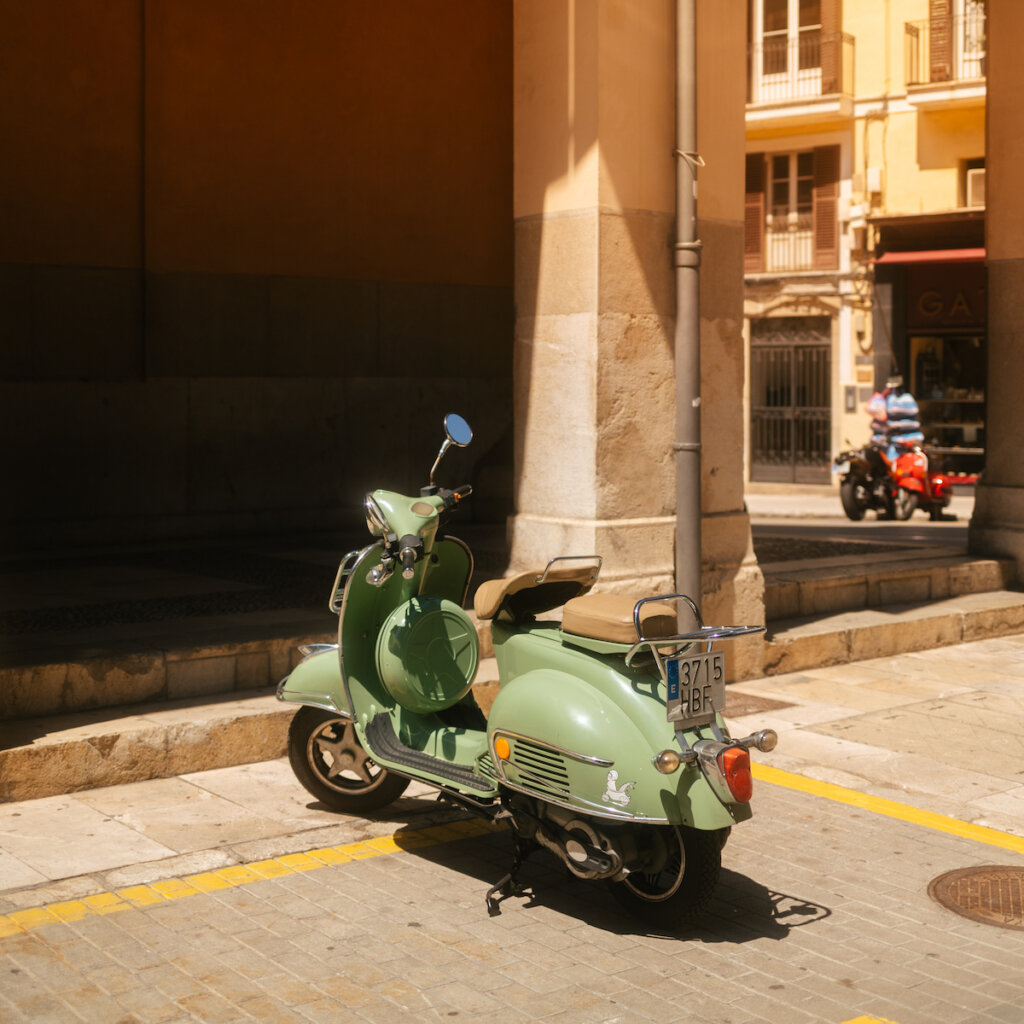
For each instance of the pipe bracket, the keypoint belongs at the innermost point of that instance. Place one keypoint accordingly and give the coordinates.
(687, 254)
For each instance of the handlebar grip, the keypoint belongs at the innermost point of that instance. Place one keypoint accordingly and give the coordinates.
(461, 492)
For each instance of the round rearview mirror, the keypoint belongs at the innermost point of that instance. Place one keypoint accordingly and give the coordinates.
(458, 430)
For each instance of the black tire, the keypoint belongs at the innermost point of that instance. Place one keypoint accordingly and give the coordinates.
(903, 504)
(332, 765)
(684, 886)
(852, 494)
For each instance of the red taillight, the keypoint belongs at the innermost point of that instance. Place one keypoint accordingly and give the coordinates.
(735, 765)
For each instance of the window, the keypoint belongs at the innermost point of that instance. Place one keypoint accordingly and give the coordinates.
(791, 210)
(797, 49)
(792, 35)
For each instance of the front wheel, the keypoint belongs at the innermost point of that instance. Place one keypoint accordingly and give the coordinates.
(332, 765)
(853, 495)
(903, 504)
(686, 863)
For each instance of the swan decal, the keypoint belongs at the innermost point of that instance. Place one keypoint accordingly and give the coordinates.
(617, 794)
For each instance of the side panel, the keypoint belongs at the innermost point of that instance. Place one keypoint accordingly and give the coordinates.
(570, 744)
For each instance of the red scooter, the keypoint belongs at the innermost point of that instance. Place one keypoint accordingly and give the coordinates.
(920, 488)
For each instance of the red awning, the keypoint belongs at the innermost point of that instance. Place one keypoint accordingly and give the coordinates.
(934, 256)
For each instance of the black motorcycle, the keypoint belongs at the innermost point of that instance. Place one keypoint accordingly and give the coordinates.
(868, 482)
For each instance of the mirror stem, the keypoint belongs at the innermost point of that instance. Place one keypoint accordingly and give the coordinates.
(433, 469)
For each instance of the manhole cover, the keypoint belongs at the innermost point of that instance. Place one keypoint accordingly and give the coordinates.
(992, 894)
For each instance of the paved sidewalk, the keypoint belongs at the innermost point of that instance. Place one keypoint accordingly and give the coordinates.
(810, 501)
(195, 899)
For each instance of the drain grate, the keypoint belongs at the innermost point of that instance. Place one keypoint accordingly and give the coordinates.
(991, 894)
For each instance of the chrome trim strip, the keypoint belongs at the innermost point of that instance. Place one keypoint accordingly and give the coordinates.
(313, 700)
(312, 650)
(584, 758)
(596, 810)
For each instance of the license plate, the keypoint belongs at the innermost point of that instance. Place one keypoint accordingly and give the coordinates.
(841, 468)
(696, 688)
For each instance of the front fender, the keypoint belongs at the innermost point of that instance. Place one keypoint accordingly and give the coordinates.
(570, 744)
(316, 682)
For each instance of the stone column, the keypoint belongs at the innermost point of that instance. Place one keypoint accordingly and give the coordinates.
(997, 526)
(594, 94)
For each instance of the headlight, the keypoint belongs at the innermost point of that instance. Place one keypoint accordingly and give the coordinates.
(376, 523)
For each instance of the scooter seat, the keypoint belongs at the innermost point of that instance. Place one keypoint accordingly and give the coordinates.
(522, 595)
(610, 617)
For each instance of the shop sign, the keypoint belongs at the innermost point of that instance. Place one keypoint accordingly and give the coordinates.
(946, 295)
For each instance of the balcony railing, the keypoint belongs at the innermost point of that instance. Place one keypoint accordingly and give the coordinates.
(783, 69)
(790, 246)
(947, 49)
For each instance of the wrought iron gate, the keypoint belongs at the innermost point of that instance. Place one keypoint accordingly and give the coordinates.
(790, 399)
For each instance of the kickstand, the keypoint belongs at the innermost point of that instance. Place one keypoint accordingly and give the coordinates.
(508, 885)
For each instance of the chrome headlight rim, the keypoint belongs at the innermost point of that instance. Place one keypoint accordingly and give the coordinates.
(376, 521)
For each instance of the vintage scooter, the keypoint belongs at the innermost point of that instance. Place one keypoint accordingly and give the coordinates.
(605, 744)
(921, 488)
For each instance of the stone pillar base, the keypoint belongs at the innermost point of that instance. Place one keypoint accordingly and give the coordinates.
(638, 554)
(997, 525)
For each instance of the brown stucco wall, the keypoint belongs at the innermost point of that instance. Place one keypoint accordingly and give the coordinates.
(252, 254)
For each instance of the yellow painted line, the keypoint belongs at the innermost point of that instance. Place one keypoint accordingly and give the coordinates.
(19, 922)
(889, 808)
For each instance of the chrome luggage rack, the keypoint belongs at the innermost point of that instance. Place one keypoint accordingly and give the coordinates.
(682, 642)
(595, 570)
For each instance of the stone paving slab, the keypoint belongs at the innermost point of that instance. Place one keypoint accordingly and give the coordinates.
(937, 729)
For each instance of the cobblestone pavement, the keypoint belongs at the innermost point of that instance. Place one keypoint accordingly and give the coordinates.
(822, 915)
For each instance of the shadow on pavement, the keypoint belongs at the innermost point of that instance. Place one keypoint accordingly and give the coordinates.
(742, 910)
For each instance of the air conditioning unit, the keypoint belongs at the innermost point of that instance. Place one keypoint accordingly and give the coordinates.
(976, 186)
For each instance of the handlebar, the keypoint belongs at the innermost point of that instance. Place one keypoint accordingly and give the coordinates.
(453, 497)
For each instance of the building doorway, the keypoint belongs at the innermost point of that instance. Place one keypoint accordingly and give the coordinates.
(790, 399)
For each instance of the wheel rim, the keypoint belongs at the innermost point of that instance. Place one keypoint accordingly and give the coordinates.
(657, 886)
(339, 760)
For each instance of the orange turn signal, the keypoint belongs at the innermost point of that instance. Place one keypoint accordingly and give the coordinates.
(735, 765)
(502, 748)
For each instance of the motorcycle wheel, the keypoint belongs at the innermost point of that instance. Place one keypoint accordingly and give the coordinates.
(852, 495)
(683, 887)
(903, 504)
(332, 765)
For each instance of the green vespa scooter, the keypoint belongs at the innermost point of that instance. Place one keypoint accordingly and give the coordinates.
(605, 744)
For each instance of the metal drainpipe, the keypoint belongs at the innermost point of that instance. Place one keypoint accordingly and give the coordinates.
(686, 262)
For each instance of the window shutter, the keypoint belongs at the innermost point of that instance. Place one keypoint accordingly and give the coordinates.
(940, 51)
(831, 46)
(753, 215)
(825, 208)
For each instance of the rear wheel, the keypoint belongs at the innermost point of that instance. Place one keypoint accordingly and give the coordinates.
(686, 863)
(903, 504)
(853, 493)
(332, 765)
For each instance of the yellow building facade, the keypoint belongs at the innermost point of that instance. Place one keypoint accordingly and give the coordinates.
(864, 227)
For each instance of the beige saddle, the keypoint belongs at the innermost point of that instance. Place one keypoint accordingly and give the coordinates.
(596, 616)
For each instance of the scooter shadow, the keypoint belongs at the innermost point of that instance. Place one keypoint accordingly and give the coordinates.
(742, 909)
